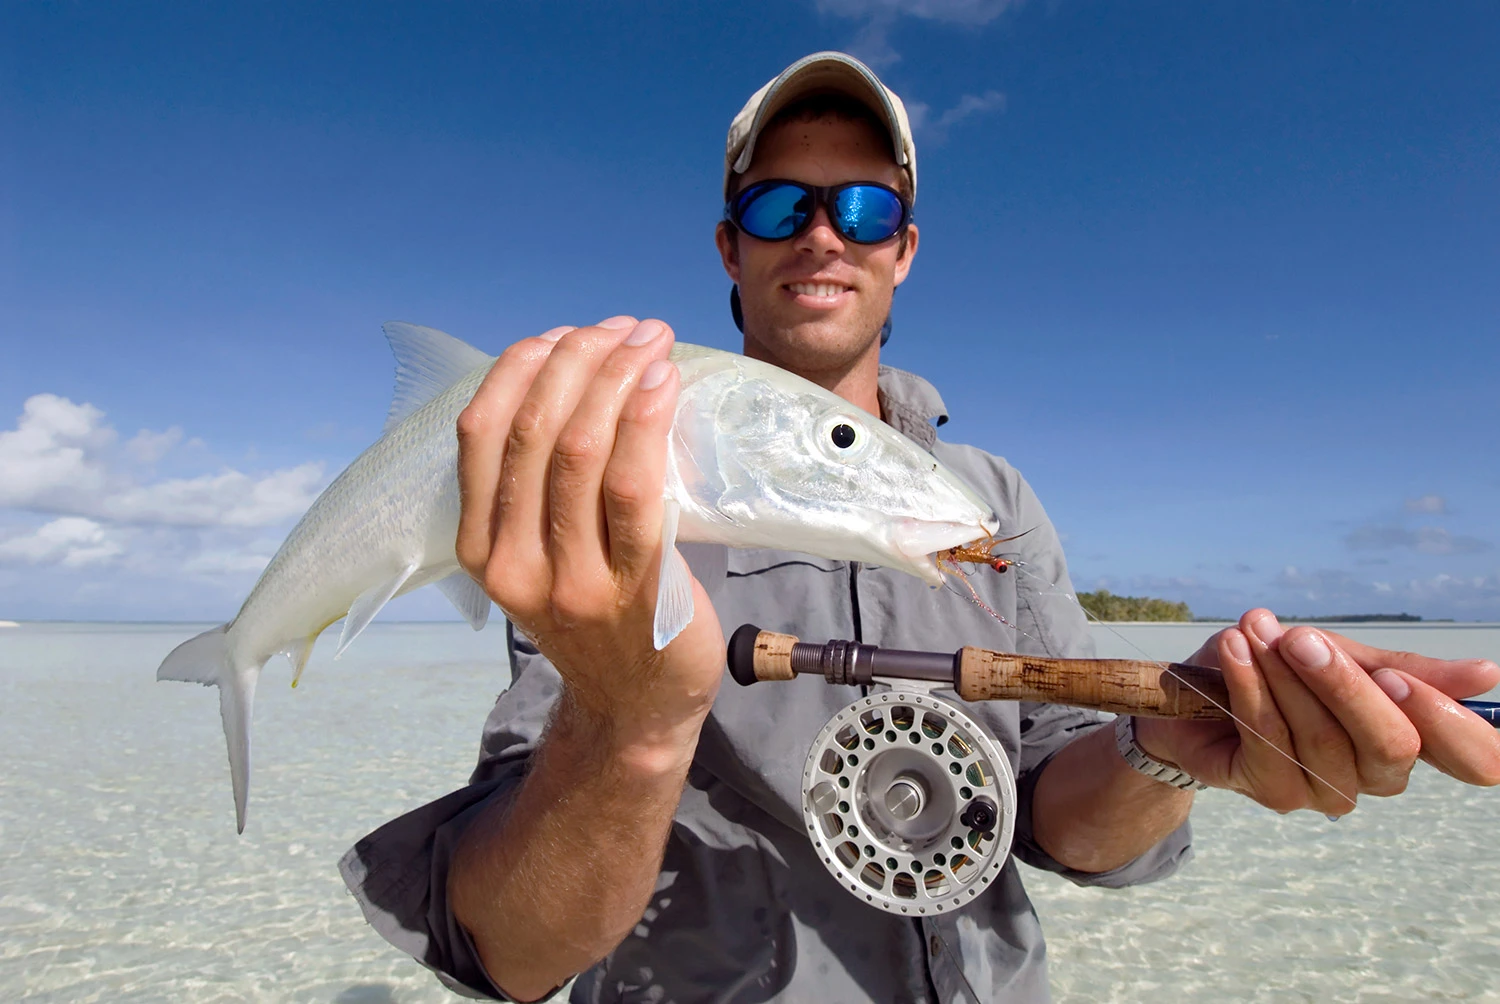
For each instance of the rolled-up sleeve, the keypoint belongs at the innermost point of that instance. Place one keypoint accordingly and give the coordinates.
(399, 873)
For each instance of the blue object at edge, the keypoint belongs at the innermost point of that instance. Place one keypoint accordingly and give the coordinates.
(1487, 710)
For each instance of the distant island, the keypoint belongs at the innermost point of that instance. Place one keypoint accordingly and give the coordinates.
(1106, 606)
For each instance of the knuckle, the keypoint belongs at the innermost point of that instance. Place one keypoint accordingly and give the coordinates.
(471, 557)
(527, 425)
(576, 450)
(472, 422)
(623, 489)
(1386, 786)
(570, 606)
(1400, 748)
(522, 353)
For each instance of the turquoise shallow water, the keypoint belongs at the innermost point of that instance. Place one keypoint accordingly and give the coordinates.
(121, 878)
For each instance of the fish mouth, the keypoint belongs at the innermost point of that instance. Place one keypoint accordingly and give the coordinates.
(919, 540)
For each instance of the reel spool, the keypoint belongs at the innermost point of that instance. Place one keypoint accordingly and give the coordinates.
(909, 803)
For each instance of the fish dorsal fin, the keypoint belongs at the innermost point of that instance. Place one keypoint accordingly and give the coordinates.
(428, 362)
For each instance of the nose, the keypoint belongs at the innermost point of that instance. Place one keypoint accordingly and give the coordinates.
(820, 237)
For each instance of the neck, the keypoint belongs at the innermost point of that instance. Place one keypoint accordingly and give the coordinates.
(855, 380)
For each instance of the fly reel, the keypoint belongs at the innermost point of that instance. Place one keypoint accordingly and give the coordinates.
(909, 802)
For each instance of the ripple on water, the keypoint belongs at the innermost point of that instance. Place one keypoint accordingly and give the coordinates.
(123, 879)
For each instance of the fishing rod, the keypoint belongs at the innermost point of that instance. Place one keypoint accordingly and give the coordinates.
(1123, 686)
(909, 800)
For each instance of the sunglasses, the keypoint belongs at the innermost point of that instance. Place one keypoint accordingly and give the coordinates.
(778, 210)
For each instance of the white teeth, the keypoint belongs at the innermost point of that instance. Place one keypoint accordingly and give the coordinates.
(816, 289)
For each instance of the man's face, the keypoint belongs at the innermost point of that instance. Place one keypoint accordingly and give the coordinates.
(816, 303)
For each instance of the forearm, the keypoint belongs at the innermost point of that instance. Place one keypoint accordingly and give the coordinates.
(551, 883)
(1092, 813)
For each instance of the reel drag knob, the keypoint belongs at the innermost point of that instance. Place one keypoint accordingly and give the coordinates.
(909, 803)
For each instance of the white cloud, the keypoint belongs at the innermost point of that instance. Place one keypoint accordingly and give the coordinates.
(1423, 539)
(53, 453)
(229, 498)
(936, 127)
(1432, 504)
(148, 447)
(62, 459)
(872, 41)
(71, 541)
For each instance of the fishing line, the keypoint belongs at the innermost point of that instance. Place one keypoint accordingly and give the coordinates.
(1024, 568)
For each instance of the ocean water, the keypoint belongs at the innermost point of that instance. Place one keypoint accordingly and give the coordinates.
(122, 879)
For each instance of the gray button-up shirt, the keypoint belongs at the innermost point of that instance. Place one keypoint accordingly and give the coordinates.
(743, 910)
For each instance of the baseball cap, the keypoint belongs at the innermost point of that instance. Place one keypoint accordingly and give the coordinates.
(819, 73)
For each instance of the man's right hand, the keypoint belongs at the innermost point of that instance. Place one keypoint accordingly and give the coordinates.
(562, 458)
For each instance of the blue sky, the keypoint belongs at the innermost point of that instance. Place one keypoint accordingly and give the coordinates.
(1219, 279)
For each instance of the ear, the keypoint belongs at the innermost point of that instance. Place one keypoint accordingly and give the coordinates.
(727, 241)
(903, 263)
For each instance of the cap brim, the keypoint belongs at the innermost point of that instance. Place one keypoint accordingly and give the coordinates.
(823, 72)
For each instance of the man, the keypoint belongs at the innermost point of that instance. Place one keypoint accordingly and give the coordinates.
(633, 822)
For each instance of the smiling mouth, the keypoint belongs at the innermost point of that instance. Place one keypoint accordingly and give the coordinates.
(818, 289)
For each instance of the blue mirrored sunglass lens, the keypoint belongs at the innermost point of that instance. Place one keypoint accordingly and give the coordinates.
(775, 212)
(868, 214)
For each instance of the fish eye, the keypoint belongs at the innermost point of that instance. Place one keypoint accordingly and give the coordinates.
(843, 436)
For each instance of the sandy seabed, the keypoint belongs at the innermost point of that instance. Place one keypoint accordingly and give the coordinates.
(122, 879)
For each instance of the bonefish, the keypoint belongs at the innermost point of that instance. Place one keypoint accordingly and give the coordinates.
(758, 457)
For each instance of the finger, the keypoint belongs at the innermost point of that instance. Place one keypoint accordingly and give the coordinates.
(1386, 743)
(1263, 762)
(522, 524)
(1321, 746)
(636, 474)
(1454, 677)
(482, 429)
(1208, 652)
(579, 535)
(1454, 740)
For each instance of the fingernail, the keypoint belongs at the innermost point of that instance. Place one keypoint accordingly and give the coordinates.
(617, 322)
(656, 374)
(1391, 682)
(1239, 649)
(1309, 649)
(646, 331)
(553, 334)
(1266, 629)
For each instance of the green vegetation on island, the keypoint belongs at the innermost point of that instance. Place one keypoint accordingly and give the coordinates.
(1106, 606)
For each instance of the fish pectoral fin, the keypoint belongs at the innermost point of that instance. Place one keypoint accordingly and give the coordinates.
(428, 362)
(674, 589)
(363, 610)
(468, 596)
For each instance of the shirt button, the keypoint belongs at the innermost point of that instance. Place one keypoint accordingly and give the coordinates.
(934, 945)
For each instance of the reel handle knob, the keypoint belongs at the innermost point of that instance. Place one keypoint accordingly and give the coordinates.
(980, 814)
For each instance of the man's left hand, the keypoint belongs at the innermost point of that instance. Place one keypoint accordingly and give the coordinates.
(1357, 717)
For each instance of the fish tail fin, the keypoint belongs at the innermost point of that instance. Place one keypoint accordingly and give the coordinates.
(206, 659)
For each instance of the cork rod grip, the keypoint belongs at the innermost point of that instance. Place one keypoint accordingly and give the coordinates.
(1123, 686)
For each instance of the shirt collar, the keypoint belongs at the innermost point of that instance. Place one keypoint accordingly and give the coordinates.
(910, 405)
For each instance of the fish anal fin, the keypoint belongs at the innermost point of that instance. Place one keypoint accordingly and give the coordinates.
(363, 610)
(674, 590)
(468, 596)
